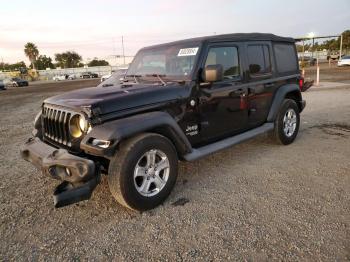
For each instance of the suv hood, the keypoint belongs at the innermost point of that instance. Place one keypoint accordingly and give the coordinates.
(106, 100)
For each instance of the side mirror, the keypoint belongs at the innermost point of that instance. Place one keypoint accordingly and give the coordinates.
(213, 73)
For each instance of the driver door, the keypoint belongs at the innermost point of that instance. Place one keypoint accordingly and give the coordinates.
(223, 104)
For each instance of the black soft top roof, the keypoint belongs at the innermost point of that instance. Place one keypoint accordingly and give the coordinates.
(230, 37)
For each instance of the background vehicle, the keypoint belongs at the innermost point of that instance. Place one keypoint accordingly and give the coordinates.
(19, 82)
(344, 61)
(178, 101)
(60, 77)
(114, 78)
(2, 85)
(14, 82)
(308, 61)
(105, 77)
(89, 75)
(333, 55)
(120, 71)
(72, 77)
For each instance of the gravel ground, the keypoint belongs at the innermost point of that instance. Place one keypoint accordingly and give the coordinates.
(332, 73)
(257, 201)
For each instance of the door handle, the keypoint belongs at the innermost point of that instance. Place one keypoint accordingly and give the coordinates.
(239, 91)
(269, 85)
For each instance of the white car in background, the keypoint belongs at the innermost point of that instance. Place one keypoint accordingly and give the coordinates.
(344, 61)
(59, 77)
(73, 76)
(115, 80)
(120, 71)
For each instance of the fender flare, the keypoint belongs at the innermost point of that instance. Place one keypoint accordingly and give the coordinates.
(280, 95)
(117, 130)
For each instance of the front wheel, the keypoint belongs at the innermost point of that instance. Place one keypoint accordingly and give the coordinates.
(287, 122)
(143, 172)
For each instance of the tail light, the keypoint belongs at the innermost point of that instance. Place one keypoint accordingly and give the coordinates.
(301, 83)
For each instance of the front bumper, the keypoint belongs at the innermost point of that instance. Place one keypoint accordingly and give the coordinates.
(57, 163)
(79, 175)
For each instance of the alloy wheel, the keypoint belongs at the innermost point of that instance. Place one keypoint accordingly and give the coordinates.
(151, 172)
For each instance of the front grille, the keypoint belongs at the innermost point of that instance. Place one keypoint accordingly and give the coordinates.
(56, 124)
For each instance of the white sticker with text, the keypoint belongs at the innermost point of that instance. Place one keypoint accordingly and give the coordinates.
(188, 51)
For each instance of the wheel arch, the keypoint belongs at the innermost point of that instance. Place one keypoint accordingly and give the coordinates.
(289, 91)
(296, 96)
(121, 129)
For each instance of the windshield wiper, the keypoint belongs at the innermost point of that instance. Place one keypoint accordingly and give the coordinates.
(159, 77)
(135, 77)
(107, 85)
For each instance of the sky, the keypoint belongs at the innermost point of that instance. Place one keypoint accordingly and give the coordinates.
(94, 28)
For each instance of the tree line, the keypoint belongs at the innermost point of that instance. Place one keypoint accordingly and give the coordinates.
(330, 45)
(71, 59)
(68, 59)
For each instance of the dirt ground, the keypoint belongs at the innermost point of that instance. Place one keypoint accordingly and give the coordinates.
(329, 74)
(257, 201)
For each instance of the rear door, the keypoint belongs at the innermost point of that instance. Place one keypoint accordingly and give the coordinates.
(260, 68)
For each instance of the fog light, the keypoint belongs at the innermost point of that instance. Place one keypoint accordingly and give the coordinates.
(68, 171)
(101, 143)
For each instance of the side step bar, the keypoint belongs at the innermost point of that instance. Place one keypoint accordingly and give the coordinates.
(223, 144)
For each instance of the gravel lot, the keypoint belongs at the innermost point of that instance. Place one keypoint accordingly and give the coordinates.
(332, 73)
(256, 201)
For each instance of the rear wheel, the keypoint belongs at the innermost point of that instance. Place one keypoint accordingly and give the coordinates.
(143, 172)
(287, 122)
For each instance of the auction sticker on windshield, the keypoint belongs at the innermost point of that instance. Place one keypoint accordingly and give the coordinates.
(188, 51)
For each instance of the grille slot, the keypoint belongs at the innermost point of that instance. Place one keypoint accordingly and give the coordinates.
(56, 124)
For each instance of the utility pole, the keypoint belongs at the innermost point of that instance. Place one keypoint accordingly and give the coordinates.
(341, 46)
(123, 49)
(115, 58)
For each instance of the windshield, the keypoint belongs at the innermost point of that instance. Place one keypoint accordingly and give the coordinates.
(114, 79)
(171, 62)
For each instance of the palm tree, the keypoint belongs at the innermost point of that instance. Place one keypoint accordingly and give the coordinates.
(32, 52)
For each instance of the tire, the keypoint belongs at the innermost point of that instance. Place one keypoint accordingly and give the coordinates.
(127, 177)
(283, 134)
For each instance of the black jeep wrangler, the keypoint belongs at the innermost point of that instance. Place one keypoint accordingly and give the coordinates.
(182, 100)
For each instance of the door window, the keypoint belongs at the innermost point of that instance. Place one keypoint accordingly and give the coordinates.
(227, 56)
(259, 59)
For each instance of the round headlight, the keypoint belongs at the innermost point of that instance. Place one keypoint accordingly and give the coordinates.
(83, 124)
(76, 126)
